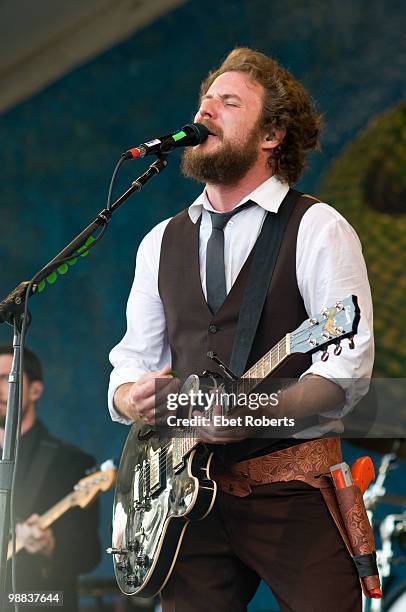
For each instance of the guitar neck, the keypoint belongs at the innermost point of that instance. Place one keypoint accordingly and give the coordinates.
(46, 519)
(266, 365)
(251, 379)
(56, 511)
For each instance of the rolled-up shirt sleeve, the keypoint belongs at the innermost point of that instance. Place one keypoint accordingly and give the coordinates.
(144, 347)
(330, 266)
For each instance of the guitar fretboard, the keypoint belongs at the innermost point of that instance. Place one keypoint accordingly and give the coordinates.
(187, 439)
(48, 518)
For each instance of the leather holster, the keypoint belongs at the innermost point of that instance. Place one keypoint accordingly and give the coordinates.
(310, 462)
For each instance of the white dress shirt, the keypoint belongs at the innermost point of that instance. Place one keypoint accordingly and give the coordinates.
(329, 266)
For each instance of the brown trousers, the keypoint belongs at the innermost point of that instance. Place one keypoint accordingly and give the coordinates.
(283, 533)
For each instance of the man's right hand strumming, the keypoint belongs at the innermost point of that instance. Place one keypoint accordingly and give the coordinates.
(141, 401)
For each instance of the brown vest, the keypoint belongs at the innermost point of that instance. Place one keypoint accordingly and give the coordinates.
(192, 328)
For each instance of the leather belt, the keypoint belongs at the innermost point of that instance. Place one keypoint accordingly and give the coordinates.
(306, 462)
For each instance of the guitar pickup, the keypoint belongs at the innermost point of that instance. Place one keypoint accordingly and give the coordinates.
(155, 474)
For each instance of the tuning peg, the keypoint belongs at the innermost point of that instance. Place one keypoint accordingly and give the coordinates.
(325, 355)
(351, 345)
(338, 349)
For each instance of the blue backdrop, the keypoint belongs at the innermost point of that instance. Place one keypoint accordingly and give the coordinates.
(59, 149)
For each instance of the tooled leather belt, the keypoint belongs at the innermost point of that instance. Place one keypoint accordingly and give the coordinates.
(305, 462)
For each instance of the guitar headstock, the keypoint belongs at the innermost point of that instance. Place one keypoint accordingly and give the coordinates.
(330, 326)
(87, 489)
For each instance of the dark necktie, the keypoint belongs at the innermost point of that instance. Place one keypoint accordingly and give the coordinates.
(215, 273)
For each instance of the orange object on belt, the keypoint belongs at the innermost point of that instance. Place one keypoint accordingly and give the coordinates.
(363, 473)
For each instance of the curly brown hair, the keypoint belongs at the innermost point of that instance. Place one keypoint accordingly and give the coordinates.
(286, 106)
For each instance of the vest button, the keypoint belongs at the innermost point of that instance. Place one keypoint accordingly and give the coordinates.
(213, 329)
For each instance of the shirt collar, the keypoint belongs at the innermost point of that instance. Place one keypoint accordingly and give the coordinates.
(268, 195)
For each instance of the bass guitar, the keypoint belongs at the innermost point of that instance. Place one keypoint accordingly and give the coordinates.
(83, 494)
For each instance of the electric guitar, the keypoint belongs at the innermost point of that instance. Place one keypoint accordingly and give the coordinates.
(83, 494)
(163, 484)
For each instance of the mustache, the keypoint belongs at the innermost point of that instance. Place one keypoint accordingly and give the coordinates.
(213, 129)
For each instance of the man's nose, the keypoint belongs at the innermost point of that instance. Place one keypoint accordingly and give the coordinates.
(207, 110)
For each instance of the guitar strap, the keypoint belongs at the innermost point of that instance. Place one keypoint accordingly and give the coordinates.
(259, 280)
(35, 476)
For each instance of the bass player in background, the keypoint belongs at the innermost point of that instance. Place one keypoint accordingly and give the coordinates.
(47, 470)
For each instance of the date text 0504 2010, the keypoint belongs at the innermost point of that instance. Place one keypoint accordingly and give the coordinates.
(40, 598)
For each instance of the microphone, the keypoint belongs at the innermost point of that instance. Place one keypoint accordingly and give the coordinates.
(190, 135)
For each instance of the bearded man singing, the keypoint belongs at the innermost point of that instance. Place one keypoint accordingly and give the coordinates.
(184, 302)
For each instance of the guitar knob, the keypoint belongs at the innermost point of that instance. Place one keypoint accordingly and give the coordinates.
(145, 504)
(132, 580)
(133, 546)
(143, 560)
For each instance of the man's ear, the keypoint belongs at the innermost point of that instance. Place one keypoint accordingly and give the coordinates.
(273, 139)
(35, 390)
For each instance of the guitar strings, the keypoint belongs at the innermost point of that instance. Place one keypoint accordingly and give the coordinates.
(191, 433)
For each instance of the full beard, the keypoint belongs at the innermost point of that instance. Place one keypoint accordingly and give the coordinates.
(225, 166)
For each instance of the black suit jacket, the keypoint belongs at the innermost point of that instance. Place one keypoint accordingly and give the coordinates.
(77, 546)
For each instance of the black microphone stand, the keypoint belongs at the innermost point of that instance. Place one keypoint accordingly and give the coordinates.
(14, 310)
